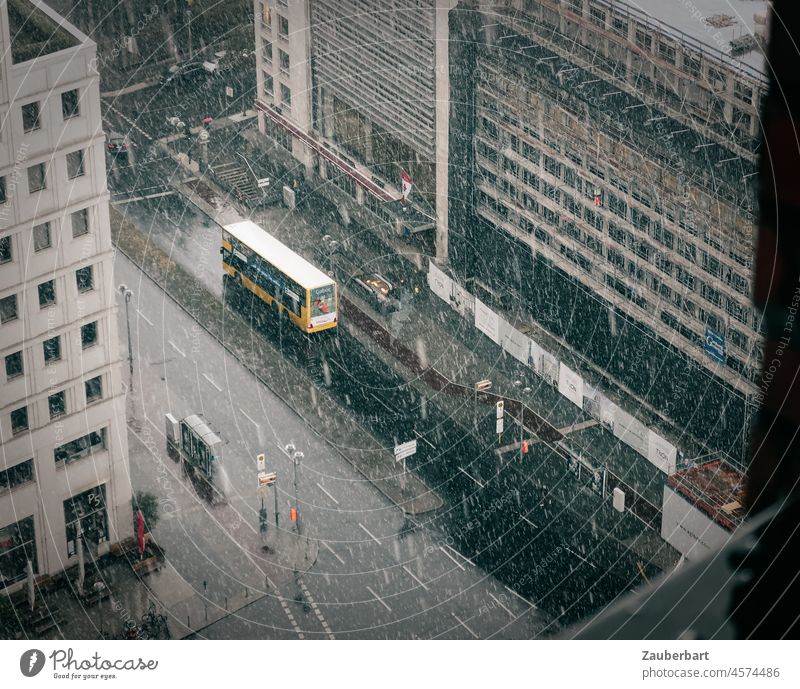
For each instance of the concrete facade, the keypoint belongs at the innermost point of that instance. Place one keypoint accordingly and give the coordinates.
(62, 412)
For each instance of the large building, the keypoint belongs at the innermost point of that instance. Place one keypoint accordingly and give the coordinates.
(63, 447)
(357, 92)
(613, 152)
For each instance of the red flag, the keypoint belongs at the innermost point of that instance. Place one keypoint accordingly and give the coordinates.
(406, 186)
(140, 531)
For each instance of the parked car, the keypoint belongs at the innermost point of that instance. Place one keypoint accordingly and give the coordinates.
(118, 143)
(378, 290)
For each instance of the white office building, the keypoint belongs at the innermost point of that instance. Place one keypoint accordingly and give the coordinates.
(63, 447)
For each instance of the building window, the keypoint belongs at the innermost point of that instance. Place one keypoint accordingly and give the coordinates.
(52, 349)
(14, 365)
(19, 420)
(94, 389)
(6, 254)
(743, 92)
(57, 404)
(30, 117)
(716, 77)
(86, 513)
(17, 546)
(3, 197)
(575, 6)
(89, 334)
(597, 16)
(75, 164)
(37, 178)
(620, 27)
(738, 339)
(268, 84)
(666, 51)
(8, 308)
(644, 40)
(267, 52)
(283, 27)
(41, 236)
(80, 222)
(691, 65)
(80, 447)
(70, 105)
(13, 477)
(286, 95)
(266, 17)
(85, 279)
(47, 293)
(284, 61)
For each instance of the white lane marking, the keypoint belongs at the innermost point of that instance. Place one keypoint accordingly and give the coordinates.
(245, 414)
(414, 577)
(332, 552)
(424, 439)
(327, 493)
(579, 556)
(145, 318)
(492, 596)
(463, 557)
(176, 348)
(466, 473)
(461, 622)
(315, 608)
(524, 600)
(379, 599)
(529, 521)
(219, 389)
(383, 404)
(286, 609)
(369, 533)
(458, 564)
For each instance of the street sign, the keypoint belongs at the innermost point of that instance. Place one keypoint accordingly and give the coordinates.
(483, 385)
(499, 408)
(229, 91)
(405, 450)
(266, 479)
(263, 182)
(261, 460)
(499, 426)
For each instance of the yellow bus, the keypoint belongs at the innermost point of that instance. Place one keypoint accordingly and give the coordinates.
(278, 276)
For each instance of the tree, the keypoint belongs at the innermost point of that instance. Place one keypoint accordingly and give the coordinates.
(148, 504)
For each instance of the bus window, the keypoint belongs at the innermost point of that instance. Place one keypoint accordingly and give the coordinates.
(322, 301)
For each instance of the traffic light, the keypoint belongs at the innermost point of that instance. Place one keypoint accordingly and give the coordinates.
(524, 447)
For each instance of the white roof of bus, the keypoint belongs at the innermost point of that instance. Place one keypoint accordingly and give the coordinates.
(264, 244)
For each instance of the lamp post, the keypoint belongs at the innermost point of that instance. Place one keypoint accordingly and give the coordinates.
(296, 456)
(127, 294)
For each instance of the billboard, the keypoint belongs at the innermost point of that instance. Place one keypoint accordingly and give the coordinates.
(631, 431)
(714, 345)
(662, 454)
(536, 357)
(439, 282)
(570, 384)
(689, 530)
(487, 321)
(515, 343)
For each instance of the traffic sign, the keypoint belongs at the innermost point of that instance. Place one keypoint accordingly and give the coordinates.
(499, 408)
(229, 91)
(499, 426)
(263, 182)
(266, 479)
(405, 450)
(261, 460)
(483, 385)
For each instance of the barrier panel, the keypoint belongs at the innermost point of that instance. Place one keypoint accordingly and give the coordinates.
(514, 342)
(487, 321)
(570, 384)
(662, 453)
(631, 431)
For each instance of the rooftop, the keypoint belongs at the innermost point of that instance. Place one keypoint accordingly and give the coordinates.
(723, 26)
(36, 30)
(716, 488)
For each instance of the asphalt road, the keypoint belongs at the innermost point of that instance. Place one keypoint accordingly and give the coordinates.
(377, 574)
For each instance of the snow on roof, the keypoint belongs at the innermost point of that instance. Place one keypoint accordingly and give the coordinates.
(264, 244)
(712, 23)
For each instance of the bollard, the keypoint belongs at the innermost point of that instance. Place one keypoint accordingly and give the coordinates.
(226, 602)
(246, 592)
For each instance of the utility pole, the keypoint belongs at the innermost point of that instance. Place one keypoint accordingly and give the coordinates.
(296, 456)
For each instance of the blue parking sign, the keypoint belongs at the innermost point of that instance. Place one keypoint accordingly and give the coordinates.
(714, 345)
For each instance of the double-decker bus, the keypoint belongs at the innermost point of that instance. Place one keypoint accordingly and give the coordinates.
(278, 276)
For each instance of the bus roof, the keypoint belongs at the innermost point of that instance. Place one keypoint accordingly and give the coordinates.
(281, 256)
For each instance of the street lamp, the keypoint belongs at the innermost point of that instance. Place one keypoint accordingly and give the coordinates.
(296, 457)
(127, 294)
(331, 245)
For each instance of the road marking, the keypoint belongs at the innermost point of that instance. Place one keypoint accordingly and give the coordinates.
(332, 552)
(327, 493)
(424, 439)
(286, 609)
(379, 599)
(579, 556)
(463, 557)
(461, 622)
(145, 318)
(245, 414)
(522, 516)
(466, 473)
(524, 600)
(219, 389)
(369, 533)
(460, 566)
(383, 404)
(315, 608)
(176, 348)
(123, 201)
(414, 577)
(492, 596)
